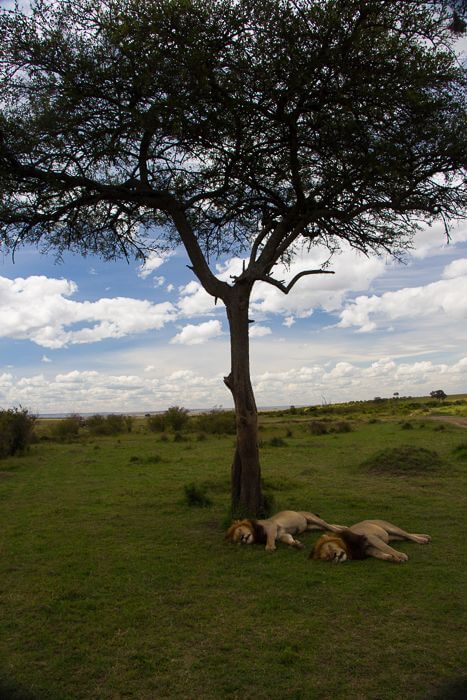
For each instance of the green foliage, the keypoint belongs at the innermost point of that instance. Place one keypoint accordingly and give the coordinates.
(275, 441)
(460, 451)
(16, 431)
(67, 428)
(196, 495)
(404, 459)
(156, 423)
(317, 427)
(216, 422)
(176, 418)
(113, 424)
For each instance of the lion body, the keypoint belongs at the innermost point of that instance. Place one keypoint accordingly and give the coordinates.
(368, 538)
(280, 527)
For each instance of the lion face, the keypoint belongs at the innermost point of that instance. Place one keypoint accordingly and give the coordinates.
(330, 548)
(240, 532)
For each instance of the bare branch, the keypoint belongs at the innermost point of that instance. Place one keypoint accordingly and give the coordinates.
(286, 288)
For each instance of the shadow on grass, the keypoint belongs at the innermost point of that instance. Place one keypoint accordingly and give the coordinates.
(454, 690)
(10, 690)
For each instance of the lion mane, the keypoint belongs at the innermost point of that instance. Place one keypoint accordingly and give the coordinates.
(353, 545)
(258, 532)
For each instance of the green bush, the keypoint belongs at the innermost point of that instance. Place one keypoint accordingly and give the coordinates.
(156, 423)
(317, 427)
(217, 422)
(405, 459)
(112, 424)
(67, 428)
(176, 418)
(16, 431)
(196, 496)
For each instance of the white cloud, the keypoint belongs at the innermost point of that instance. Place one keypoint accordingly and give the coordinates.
(353, 272)
(152, 262)
(432, 240)
(446, 297)
(92, 391)
(195, 301)
(45, 359)
(195, 335)
(289, 321)
(257, 331)
(50, 323)
(457, 268)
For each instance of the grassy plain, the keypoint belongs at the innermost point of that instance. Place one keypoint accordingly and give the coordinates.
(112, 587)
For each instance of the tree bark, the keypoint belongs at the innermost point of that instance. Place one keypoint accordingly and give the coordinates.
(247, 500)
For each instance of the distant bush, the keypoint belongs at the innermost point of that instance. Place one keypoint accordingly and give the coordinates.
(16, 431)
(156, 423)
(67, 428)
(405, 459)
(196, 496)
(176, 417)
(216, 422)
(275, 442)
(406, 426)
(461, 451)
(317, 427)
(113, 424)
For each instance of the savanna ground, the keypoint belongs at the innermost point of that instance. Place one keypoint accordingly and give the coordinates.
(113, 586)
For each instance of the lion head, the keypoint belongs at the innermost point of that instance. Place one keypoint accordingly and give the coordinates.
(342, 547)
(246, 532)
(330, 548)
(241, 531)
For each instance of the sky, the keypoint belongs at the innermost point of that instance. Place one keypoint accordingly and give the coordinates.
(86, 336)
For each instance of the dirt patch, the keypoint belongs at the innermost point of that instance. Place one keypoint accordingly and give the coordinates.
(454, 420)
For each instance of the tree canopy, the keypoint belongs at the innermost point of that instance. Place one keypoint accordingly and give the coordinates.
(231, 127)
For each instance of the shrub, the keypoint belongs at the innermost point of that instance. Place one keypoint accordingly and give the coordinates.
(405, 459)
(317, 427)
(341, 426)
(406, 426)
(68, 427)
(112, 424)
(217, 422)
(461, 451)
(176, 417)
(276, 442)
(156, 423)
(196, 496)
(16, 431)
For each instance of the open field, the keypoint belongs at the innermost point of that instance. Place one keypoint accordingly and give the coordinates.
(112, 586)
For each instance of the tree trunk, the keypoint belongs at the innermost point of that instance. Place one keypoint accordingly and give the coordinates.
(247, 500)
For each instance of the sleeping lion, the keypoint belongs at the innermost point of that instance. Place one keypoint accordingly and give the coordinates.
(282, 526)
(366, 539)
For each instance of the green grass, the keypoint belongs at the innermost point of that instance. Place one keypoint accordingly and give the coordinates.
(112, 587)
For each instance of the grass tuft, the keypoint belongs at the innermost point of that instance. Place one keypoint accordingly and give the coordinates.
(404, 459)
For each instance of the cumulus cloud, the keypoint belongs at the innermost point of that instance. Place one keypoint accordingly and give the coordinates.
(198, 334)
(446, 297)
(431, 240)
(195, 301)
(152, 262)
(91, 391)
(58, 321)
(258, 331)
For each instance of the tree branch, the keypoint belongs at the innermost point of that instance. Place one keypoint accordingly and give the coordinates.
(286, 288)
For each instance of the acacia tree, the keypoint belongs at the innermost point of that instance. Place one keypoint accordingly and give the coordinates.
(236, 127)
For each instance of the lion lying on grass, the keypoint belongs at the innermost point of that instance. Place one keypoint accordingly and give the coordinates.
(282, 527)
(366, 539)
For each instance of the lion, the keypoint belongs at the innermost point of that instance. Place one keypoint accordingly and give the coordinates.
(368, 538)
(280, 527)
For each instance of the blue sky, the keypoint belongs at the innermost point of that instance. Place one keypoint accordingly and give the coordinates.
(89, 336)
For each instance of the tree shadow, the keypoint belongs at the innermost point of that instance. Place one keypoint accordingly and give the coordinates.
(454, 690)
